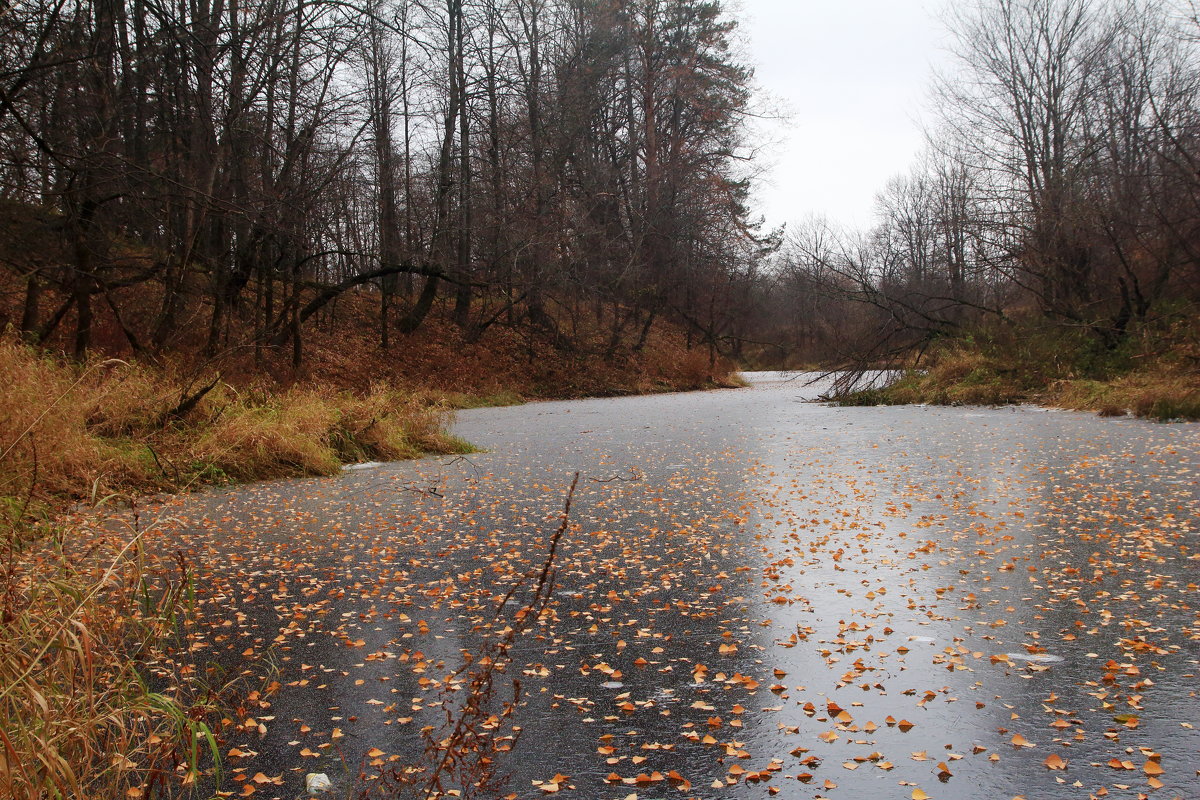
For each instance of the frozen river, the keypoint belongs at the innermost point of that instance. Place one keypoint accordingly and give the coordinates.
(756, 596)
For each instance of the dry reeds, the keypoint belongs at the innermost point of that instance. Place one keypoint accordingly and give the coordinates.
(77, 718)
(77, 619)
(117, 426)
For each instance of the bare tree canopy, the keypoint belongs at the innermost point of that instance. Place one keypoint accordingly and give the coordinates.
(547, 164)
(1060, 182)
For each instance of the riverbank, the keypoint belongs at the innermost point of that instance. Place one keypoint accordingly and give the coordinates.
(83, 629)
(1153, 373)
(78, 431)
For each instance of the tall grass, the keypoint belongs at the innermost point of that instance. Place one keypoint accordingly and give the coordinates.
(78, 620)
(315, 431)
(77, 718)
(80, 624)
(117, 426)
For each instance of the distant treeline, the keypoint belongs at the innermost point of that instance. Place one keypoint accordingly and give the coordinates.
(212, 174)
(1061, 185)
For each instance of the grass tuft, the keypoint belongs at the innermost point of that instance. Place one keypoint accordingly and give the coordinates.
(116, 426)
(1154, 371)
(77, 717)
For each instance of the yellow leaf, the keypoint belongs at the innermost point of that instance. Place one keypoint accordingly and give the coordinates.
(1055, 761)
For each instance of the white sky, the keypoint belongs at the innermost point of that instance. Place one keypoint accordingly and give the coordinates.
(855, 76)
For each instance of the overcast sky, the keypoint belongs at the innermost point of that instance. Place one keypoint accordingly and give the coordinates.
(855, 76)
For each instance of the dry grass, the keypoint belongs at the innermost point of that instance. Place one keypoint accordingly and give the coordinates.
(78, 620)
(1154, 373)
(1154, 394)
(50, 420)
(315, 431)
(84, 430)
(76, 716)
(963, 376)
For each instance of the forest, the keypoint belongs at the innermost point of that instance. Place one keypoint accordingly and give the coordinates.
(1056, 200)
(213, 178)
(288, 238)
(209, 176)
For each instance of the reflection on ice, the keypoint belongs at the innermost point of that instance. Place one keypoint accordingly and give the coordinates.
(363, 466)
(1035, 658)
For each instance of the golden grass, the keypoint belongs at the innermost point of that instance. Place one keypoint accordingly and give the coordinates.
(1161, 391)
(76, 716)
(48, 409)
(315, 431)
(111, 428)
(1154, 394)
(962, 376)
(1154, 373)
(77, 618)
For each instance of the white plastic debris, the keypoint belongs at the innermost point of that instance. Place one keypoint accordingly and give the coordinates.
(317, 782)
